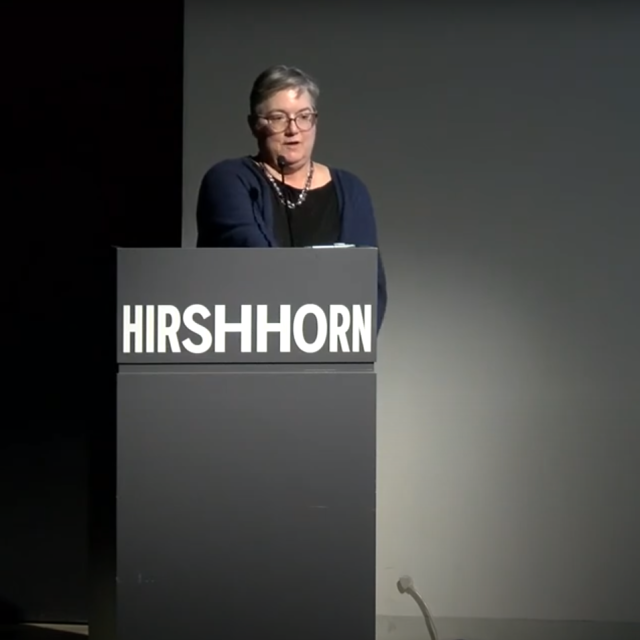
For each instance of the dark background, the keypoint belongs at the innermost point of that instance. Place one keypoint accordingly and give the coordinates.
(92, 157)
(92, 99)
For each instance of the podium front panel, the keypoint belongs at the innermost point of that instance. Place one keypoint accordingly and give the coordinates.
(247, 305)
(246, 505)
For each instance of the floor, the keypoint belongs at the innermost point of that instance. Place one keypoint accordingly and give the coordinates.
(44, 632)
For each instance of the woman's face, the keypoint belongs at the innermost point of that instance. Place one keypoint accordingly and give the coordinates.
(286, 126)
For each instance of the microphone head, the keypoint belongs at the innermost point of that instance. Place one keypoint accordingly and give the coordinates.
(405, 583)
(282, 162)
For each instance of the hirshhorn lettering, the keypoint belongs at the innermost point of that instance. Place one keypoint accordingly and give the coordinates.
(161, 328)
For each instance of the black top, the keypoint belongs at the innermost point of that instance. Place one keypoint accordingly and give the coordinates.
(316, 221)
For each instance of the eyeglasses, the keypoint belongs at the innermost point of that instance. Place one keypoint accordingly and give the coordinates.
(279, 122)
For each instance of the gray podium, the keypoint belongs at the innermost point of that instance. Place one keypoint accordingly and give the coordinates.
(246, 445)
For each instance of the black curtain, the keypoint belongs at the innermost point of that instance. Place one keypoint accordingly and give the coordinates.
(93, 158)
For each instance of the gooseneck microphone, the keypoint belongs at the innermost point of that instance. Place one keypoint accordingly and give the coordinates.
(282, 163)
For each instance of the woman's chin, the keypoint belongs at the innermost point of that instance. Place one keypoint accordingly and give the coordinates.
(298, 159)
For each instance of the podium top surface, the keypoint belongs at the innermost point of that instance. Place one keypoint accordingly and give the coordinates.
(246, 306)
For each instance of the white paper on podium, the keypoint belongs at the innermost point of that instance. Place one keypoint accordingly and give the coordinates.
(337, 245)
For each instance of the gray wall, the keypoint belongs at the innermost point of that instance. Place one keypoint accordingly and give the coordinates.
(501, 148)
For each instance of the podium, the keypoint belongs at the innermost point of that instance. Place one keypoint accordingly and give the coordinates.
(245, 464)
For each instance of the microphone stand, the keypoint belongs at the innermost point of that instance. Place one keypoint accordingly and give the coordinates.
(282, 163)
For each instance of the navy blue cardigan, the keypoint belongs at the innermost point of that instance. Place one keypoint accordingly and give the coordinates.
(235, 210)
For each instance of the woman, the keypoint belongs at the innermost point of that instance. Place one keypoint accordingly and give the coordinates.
(281, 197)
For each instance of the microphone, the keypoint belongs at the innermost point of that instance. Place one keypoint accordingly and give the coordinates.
(282, 163)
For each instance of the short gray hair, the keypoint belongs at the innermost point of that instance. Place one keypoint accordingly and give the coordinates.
(278, 78)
